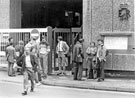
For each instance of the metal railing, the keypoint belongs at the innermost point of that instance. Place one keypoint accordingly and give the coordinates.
(17, 35)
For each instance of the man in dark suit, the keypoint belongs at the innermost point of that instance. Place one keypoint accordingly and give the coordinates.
(19, 52)
(29, 67)
(11, 57)
(78, 57)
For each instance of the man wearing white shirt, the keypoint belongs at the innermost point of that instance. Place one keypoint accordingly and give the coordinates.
(61, 49)
(29, 66)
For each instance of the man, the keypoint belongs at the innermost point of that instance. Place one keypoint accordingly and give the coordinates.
(11, 58)
(19, 52)
(10, 40)
(44, 50)
(29, 66)
(62, 49)
(101, 58)
(34, 49)
(78, 57)
(19, 48)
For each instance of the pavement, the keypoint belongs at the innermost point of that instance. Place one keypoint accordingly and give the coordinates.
(119, 85)
(14, 90)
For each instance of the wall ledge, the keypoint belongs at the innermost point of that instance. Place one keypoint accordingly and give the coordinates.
(116, 33)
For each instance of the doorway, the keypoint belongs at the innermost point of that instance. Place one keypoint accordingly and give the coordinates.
(54, 13)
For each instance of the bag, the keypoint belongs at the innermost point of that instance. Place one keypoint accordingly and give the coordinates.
(15, 65)
(17, 54)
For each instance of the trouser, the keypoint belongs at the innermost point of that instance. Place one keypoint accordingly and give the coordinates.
(101, 69)
(44, 64)
(61, 62)
(10, 69)
(78, 66)
(92, 72)
(37, 73)
(37, 77)
(28, 75)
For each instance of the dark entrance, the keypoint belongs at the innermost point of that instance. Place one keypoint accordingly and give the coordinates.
(55, 13)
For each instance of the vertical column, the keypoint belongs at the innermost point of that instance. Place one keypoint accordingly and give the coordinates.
(10, 13)
(49, 35)
(134, 15)
(87, 34)
(87, 25)
(15, 14)
(4, 13)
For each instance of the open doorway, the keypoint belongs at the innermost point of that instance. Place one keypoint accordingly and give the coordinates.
(55, 13)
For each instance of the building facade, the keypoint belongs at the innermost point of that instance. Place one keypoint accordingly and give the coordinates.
(111, 20)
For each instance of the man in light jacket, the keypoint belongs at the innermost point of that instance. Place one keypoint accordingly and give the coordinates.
(101, 59)
(62, 49)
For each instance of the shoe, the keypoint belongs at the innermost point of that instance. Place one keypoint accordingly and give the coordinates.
(32, 90)
(72, 73)
(24, 93)
(44, 77)
(12, 75)
(64, 73)
(20, 73)
(80, 80)
(75, 79)
(99, 80)
(38, 84)
(59, 73)
(102, 79)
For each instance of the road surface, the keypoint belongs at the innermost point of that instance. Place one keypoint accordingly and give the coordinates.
(14, 90)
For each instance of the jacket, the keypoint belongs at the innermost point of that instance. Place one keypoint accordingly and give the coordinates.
(10, 54)
(34, 62)
(101, 53)
(62, 46)
(78, 54)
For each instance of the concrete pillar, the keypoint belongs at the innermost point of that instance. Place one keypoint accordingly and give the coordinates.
(134, 15)
(10, 14)
(87, 22)
(15, 13)
(4, 13)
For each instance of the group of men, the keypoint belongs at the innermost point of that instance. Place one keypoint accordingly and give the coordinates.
(95, 60)
(31, 59)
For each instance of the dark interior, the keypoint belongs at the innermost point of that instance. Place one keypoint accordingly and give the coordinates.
(55, 13)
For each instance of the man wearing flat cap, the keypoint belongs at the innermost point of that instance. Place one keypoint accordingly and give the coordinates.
(78, 57)
(61, 49)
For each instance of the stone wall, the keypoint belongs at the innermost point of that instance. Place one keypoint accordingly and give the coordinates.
(15, 13)
(10, 14)
(4, 13)
(103, 16)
